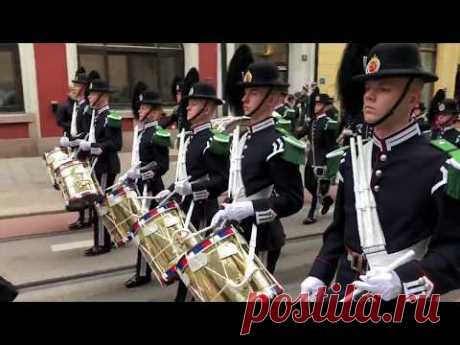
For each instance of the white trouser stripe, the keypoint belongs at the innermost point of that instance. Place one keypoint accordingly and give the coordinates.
(100, 227)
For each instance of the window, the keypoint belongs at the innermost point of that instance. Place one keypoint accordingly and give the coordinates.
(278, 53)
(124, 64)
(428, 56)
(11, 98)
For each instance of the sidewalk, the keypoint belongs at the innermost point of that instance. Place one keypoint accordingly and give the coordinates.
(26, 190)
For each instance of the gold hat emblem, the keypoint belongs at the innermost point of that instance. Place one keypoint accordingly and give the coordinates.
(373, 65)
(190, 92)
(247, 77)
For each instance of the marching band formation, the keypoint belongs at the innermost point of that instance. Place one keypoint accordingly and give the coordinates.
(217, 231)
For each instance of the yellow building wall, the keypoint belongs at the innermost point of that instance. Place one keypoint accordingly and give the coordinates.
(447, 61)
(329, 57)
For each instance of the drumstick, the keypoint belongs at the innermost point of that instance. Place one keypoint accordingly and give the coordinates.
(395, 264)
(144, 201)
(189, 214)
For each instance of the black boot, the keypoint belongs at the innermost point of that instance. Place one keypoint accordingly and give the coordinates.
(327, 203)
(136, 280)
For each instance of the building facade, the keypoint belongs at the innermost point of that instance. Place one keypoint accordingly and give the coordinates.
(34, 75)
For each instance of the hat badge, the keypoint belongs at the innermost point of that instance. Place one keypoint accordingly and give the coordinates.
(317, 99)
(442, 107)
(190, 92)
(141, 97)
(373, 65)
(247, 77)
(91, 85)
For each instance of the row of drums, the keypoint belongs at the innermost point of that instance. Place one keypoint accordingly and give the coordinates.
(215, 267)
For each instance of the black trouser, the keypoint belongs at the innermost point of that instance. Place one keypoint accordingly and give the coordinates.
(311, 184)
(101, 235)
(82, 212)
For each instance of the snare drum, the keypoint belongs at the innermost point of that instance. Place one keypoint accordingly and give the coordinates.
(120, 210)
(333, 162)
(163, 239)
(214, 270)
(54, 159)
(77, 185)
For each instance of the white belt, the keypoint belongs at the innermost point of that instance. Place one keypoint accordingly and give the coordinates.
(261, 194)
(383, 259)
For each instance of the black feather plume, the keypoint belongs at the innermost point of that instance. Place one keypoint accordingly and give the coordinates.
(138, 89)
(233, 92)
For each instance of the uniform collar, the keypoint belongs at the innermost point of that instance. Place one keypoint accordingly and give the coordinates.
(99, 111)
(269, 122)
(150, 124)
(397, 138)
(81, 101)
(320, 116)
(201, 128)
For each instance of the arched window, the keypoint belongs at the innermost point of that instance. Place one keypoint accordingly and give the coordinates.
(428, 55)
(278, 53)
(11, 98)
(124, 64)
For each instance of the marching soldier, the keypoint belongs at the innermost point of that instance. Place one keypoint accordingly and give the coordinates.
(77, 126)
(151, 150)
(321, 134)
(447, 120)
(284, 113)
(413, 244)
(207, 163)
(271, 184)
(180, 89)
(104, 142)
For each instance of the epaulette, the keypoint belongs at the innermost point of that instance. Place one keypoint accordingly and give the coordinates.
(453, 169)
(293, 150)
(331, 125)
(219, 143)
(114, 119)
(162, 137)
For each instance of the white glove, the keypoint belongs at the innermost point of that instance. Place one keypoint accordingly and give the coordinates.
(218, 220)
(183, 188)
(380, 282)
(64, 142)
(75, 143)
(133, 174)
(235, 211)
(85, 145)
(148, 175)
(310, 287)
(163, 194)
(96, 151)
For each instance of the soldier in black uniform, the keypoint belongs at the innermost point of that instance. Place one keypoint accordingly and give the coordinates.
(322, 133)
(180, 89)
(448, 119)
(412, 182)
(206, 165)
(153, 155)
(104, 142)
(270, 178)
(285, 111)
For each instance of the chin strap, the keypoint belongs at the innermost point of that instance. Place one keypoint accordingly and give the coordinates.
(391, 111)
(261, 102)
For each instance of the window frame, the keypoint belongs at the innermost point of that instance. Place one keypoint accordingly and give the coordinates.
(20, 107)
(144, 49)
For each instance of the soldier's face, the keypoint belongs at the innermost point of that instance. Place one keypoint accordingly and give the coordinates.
(97, 100)
(381, 95)
(443, 119)
(254, 96)
(194, 107)
(319, 108)
(178, 97)
(144, 110)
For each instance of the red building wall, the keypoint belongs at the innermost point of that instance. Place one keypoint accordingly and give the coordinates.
(52, 83)
(14, 131)
(207, 53)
